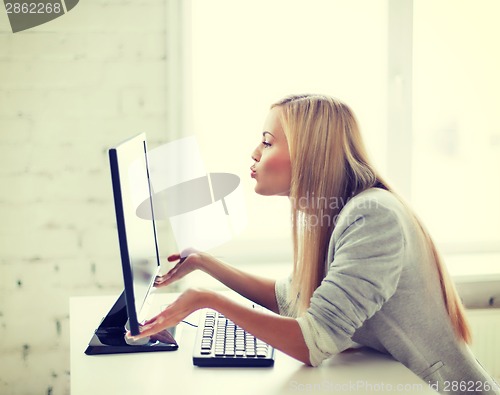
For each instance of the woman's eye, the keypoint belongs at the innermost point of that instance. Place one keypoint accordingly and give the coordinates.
(266, 144)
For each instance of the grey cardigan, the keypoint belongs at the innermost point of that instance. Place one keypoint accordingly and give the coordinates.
(383, 292)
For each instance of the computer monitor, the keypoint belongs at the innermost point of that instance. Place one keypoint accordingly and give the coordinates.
(137, 237)
(139, 253)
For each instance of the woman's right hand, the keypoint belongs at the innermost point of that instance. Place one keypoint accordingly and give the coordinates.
(183, 267)
(253, 287)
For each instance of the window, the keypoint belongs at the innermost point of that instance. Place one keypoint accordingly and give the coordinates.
(456, 144)
(241, 58)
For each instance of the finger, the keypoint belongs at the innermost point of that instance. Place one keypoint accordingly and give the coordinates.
(171, 273)
(150, 321)
(159, 280)
(148, 330)
(135, 337)
(158, 283)
(144, 331)
(174, 257)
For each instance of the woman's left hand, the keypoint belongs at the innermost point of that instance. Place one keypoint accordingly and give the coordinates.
(188, 302)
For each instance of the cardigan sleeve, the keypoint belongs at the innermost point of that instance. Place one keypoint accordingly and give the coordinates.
(363, 275)
(281, 289)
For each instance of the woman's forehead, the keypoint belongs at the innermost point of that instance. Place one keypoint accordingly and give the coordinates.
(272, 124)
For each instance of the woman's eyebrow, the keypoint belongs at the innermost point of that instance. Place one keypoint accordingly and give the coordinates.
(264, 134)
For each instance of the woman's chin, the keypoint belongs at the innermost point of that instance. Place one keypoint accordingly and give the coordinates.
(270, 192)
(259, 190)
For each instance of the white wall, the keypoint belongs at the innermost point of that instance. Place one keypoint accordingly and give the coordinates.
(69, 89)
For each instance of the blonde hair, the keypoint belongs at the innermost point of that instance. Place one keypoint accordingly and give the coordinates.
(329, 161)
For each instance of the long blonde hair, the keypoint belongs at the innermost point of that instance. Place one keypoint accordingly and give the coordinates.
(329, 161)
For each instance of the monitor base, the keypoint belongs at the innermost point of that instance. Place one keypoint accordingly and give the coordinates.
(109, 337)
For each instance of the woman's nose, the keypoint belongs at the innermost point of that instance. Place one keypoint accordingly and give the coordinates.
(256, 154)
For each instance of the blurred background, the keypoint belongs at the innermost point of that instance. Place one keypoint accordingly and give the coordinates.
(422, 77)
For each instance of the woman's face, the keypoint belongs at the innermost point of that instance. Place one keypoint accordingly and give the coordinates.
(272, 168)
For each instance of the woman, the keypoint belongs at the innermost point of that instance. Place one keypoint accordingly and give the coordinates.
(365, 270)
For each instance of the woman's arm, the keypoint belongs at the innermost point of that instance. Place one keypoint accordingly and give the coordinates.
(258, 289)
(283, 333)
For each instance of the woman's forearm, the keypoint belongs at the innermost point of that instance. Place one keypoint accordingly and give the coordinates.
(258, 289)
(283, 333)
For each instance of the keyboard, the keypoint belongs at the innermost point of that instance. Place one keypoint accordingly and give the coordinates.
(221, 343)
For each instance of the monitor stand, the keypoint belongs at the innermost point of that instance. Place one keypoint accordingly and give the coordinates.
(109, 337)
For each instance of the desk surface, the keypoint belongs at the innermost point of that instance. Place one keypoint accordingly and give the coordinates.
(358, 372)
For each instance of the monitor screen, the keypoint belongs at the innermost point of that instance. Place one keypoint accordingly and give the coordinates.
(137, 236)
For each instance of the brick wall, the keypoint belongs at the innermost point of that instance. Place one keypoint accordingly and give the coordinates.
(69, 89)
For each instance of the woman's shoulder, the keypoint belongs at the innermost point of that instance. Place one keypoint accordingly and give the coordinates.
(374, 210)
(370, 221)
(373, 200)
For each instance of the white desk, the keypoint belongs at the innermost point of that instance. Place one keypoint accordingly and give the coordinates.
(173, 373)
